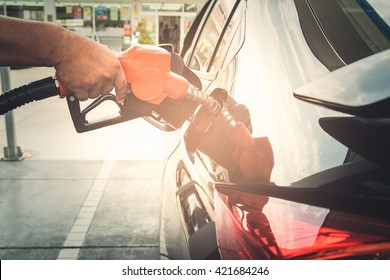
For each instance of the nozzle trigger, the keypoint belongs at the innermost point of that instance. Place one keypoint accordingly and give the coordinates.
(83, 123)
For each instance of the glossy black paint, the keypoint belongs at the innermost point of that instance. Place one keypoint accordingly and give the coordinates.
(261, 59)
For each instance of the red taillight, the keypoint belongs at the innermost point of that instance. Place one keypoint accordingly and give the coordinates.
(251, 226)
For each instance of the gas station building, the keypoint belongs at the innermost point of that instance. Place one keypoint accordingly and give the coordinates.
(114, 22)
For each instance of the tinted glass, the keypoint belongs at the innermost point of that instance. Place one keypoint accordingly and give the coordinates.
(345, 30)
(382, 8)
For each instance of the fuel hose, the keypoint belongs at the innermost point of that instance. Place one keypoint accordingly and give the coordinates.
(34, 91)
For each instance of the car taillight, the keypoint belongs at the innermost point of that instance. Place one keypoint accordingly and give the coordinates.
(252, 226)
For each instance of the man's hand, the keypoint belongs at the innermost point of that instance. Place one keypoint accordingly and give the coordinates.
(89, 69)
(85, 67)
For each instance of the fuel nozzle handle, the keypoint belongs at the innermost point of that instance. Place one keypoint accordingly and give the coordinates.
(151, 80)
(148, 72)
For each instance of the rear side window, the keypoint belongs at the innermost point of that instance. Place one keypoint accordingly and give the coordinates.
(210, 36)
(343, 31)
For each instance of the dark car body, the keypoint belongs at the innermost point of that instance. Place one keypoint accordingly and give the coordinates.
(328, 194)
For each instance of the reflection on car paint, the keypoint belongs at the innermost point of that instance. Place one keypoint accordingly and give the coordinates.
(194, 212)
(252, 226)
(359, 84)
(262, 72)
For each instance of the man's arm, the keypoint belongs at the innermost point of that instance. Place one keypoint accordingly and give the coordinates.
(85, 67)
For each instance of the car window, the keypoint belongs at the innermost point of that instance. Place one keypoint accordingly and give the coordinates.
(209, 38)
(382, 7)
(193, 29)
(344, 31)
(229, 45)
(352, 25)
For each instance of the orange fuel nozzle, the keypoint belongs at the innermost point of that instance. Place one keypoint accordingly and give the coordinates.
(64, 91)
(148, 72)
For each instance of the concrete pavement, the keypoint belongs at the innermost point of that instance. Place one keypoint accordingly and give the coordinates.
(79, 196)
